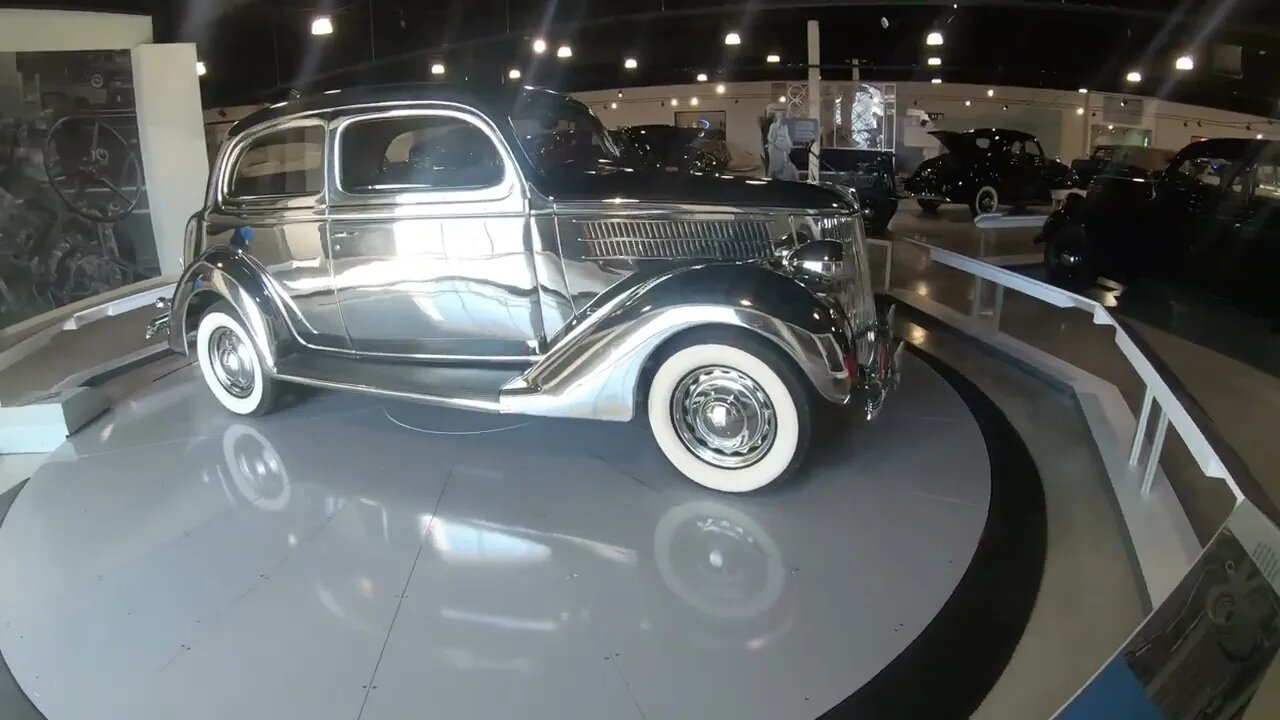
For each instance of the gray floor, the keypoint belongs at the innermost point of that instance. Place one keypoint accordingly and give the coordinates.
(351, 557)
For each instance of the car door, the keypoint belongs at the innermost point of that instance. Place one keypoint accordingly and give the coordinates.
(1184, 228)
(271, 201)
(429, 226)
(1253, 254)
(1026, 170)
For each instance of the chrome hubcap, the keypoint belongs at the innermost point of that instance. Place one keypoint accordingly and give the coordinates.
(1069, 259)
(723, 417)
(232, 362)
(986, 202)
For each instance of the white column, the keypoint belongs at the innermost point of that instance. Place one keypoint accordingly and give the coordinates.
(1088, 121)
(171, 135)
(815, 97)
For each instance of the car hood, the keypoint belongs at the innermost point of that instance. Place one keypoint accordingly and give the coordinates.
(617, 185)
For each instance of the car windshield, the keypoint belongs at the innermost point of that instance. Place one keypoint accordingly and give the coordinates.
(558, 134)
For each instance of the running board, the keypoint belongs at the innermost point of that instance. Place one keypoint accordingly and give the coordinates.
(469, 388)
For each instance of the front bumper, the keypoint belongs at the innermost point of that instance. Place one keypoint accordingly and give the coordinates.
(881, 375)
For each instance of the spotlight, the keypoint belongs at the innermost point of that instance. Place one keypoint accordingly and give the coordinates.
(732, 39)
(200, 69)
(967, 103)
(720, 89)
(1111, 128)
(1082, 91)
(437, 68)
(936, 81)
(1185, 62)
(675, 102)
(630, 64)
(322, 26)
(782, 98)
(773, 58)
(619, 93)
(702, 77)
(1134, 76)
(884, 22)
(1004, 107)
(934, 38)
(1080, 111)
(539, 46)
(935, 61)
(991, 92)
(514, 73)
(693, 100)
(613, 105)
(1258, 136)
(564, 52)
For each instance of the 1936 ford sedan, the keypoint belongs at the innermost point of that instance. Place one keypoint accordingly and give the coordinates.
(486, 251)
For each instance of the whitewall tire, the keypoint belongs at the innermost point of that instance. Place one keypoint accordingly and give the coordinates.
(985, 200)
(729, 412)
(230, 363)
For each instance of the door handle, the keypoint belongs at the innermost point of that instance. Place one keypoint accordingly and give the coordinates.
(341, 234)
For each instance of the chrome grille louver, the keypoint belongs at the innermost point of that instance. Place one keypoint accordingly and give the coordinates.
(626, 239)
(853, 291)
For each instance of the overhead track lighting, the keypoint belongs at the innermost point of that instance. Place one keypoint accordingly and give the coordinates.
(702, 77)
(630, 63)
(675, 102)
(322, 26)
(200, 69)
(1185, 62)
(693, 100)
(437, 68)
(1079, 111)
(934, 38)
(720, 89)
(967, 103)
(1134, 76)
(613, 105)
(935, 61)
(514, 73)
(539, 45)
(732, 39)
(564, 51)
(773, 58)
(991, 92)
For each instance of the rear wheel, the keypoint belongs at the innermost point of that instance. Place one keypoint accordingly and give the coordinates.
(1068, 259)
(230, 363)
(728, 411)
(985, 200)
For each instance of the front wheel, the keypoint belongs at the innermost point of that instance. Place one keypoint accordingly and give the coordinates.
(1068, 259)
(729, 412)
(985, 200)
(230, 363)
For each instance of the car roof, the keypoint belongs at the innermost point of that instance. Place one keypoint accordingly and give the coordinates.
(1230, 147)
(492, 100)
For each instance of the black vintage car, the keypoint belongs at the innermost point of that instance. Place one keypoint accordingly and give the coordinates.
(1133, 161)
(985, 169)
(667, 147)
(870, 173)
(1210, 221)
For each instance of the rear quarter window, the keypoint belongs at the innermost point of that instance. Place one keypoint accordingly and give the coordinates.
(282, 163)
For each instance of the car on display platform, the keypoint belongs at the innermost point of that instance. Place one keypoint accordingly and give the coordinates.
(1210, 221)
(985, 169)
(1132, 161)
(869, 173)
(667, 147)
(485, 250)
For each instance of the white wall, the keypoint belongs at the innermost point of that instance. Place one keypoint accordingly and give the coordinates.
(36, 30)
(171, 136)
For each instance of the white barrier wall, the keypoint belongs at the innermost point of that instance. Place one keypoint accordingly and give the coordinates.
(24, 30)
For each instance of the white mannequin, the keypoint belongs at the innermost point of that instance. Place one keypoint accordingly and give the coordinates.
(778, 142)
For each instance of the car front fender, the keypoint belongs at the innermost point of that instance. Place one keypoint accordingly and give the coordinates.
(594, 367)
(225, 273)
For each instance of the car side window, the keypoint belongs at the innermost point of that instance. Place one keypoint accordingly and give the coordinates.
(982, 142)
(1266, 181)
(1033, 148)
(416, 152)
(1206, 171)
(281, 163)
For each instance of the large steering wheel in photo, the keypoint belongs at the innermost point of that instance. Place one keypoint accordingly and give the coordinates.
(93, 168)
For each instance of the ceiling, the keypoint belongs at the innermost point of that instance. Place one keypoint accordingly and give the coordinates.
(258, 49)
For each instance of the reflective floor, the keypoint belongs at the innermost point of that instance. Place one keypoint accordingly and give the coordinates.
(352, 557)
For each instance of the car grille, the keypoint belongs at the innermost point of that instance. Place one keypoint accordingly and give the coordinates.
(853, 291)
(676, 239)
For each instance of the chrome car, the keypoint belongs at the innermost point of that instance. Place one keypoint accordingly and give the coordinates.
(485, 250)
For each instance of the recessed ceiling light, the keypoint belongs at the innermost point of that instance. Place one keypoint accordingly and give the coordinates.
(1185, 62)
(732, 39)
(720, 89)
(437, 68)
(322, 26)
(991, 92)
(693, 101)
(1004, 107)
(935, 61)
(539, 46)
(630, 64)
(1258, 136)
(773, 58)
(1080, 111)
(936, 81)
(514, 73)
(702, 77)
(200, 68)
(564, 51)
(1134, 76)
(934, 38)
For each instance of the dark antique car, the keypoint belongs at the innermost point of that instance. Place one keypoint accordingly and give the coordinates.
(484, 250)
(1133, 161)
(985, 169)
(870, 173)
(668, 147)
(1210, 221)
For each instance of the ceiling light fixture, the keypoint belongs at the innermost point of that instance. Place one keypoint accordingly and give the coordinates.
(564, 51)
(1004, 107)
(935, 61)
(732, 39)
(773, 58)
(702, 77)
(200, 69)
(1083, 91)
(933, 38)
(1134, 76)
(613, 105)
(693, 100)
(514, 74)
(1079, 111)
(782, 98)
(619, 93)
(674, 102)
(1185, 62)
(1258, 136)
(437, 68)
(322, 26)
(630, 64)
(936, 81)
(539, 46)
(991, 92)
(967, 103)
(1111, 128)
(720, 89)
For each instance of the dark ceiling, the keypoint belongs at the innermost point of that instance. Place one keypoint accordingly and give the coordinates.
(257, 49)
